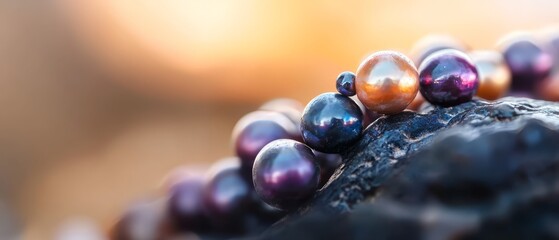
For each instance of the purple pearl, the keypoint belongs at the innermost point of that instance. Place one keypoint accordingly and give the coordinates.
(257, 129)
(185, 205)
(448, 78)
(285, 174)
(529, 64)
(291, 108)
(345, 84)
(328, 163)
(227, 195)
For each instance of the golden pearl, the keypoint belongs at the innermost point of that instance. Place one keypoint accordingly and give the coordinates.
(494, 74)
(386, 82)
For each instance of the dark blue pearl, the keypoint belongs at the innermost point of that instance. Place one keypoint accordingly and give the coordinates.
(328, 163)
(345, 84)
(257, 129)
(227, 195)
(185, 206)
(285, 174)
(529, 64)
(331, 122)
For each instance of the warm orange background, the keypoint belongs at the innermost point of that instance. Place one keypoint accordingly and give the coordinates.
(101, 98)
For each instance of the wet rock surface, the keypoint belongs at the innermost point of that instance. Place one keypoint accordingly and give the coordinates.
(478, 170)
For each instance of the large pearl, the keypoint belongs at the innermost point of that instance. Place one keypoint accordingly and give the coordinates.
(331, 122)
(448, 78)
(432, 43)
(387, 82)
(494, 74)
(285, 174)
(528, 62)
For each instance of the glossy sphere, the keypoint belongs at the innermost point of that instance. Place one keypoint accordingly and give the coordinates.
(448, 78)
(387, 82)
(434, 43)
(257, 129)
(185, 205)
(331, 122)
(345, 84)
(529, 64)
(285, 174)
(494, 74)
(227, 194)
(328, 163)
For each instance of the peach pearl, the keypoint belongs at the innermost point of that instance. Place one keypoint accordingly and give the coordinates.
(386, 82)
(494, 74)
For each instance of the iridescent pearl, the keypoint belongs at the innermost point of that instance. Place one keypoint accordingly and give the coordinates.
(253, 131)
(494, 74)
(448, 78)
(433, 43)
(227, 195)
(345, 84)
(387, 82)
(529, 64)
(285, 174)
(331, 122)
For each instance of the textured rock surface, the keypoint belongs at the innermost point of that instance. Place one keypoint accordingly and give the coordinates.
(474, 171)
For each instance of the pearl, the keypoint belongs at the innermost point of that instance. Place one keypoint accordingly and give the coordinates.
(331, 122)
(253, 131)
(386, 82)
(433, 43)
(227, 195)
(185, 205)
(529, 64)
(448, 78)
(328, 163)
(494, 74)
(285, 174)
(345, 84)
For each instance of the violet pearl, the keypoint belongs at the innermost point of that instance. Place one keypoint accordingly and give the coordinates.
(253, 131)
(185, 205)
(448, 78)
(285, 174)
(328, 163)
(345, 84)
(331, 122)
(529, 64)
(227, 195)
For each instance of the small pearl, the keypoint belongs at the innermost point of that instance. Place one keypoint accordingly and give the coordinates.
(345, 84)
(448, 78)
(494, 74)
(387, 82)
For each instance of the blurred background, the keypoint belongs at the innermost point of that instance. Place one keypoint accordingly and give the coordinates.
(100, 99)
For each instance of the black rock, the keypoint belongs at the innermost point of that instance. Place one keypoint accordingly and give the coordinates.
(478, 170)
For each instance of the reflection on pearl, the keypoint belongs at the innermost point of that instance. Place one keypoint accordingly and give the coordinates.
(387, 82)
